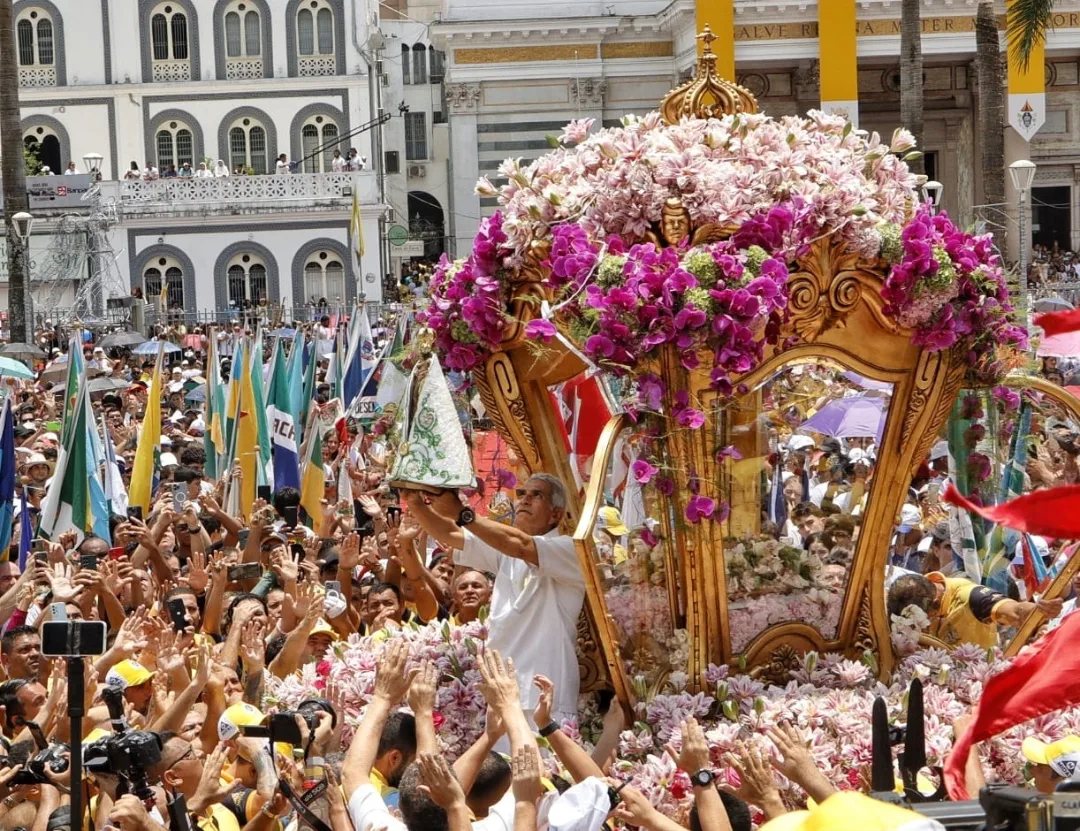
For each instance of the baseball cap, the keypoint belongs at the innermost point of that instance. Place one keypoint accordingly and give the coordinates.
(910, 516)
(610, 520)
(323, 628)
(851, 809)
(235, 717)
(800, 443)
(128, 673)
(1062, 756)
(582, 807)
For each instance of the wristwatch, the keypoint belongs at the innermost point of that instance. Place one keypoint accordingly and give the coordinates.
(466, 517)
(703, 778)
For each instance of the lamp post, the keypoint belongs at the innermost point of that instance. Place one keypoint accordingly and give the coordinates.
(93, 161)
(22, 224)
(1022, 173)
(932, 192)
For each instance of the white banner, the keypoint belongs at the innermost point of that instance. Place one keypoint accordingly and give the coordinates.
(1027, 113)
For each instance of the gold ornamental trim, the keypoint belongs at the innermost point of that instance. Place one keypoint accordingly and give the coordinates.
(527, 54)
(637, 49)
(707, 95)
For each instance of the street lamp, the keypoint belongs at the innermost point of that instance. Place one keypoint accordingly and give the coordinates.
(93, 163)
(22, 224)
(1022, 173)
(932, 192)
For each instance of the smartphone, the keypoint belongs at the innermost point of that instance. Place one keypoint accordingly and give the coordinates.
(393, 511)
(245, 571)
(297, 550)
(291, 515)
(116, 553)
(332, 586)
(13, 553)
(178, 614)
(242, 537)
(58, 612)
(89, 562)
(40, 546)
(365, 528)
(135, 512)
(73, 638)
(179, 496)
(263, 492)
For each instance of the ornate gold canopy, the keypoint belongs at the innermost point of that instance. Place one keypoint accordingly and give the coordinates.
(706, 95)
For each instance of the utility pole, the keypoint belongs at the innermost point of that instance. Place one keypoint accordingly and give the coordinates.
(13, 173)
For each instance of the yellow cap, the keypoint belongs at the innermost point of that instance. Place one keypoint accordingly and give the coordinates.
(1062, 756)
(235, 717)
(324, 628)
(128, 673)
(611, 521)
(850, 809)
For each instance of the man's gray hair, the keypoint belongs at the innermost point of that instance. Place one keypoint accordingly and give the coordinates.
(558, 491)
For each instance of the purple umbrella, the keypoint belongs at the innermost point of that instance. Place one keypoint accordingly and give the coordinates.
(843, 418)
(868, 383)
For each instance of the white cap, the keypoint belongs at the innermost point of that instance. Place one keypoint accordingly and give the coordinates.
(910, 516)
(165, 441)
(800, 443)
(939, 450)
(168, 459)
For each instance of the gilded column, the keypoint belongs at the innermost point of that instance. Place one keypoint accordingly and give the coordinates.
(719, 15)
(838, 58)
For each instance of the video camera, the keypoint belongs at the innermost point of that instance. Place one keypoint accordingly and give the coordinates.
(127, 755)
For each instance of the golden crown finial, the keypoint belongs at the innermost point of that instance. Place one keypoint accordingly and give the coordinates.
(706, 95)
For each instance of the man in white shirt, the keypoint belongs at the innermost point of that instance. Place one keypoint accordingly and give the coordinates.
(539, 587)
(337, 164)
(282, 166)
(71, 170)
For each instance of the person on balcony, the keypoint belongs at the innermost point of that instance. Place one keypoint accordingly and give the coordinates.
(539, 587)
(171, 172)
(282, 167)
(338, 163)
(133, 172)
(221, 170)
(150, 172)
(203, 172)
(71, 170)
(185, 171)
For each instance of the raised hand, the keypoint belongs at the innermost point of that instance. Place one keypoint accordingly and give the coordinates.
(423, 689)
(694, 755)
(408, 530)
(252, 647)
(795, 761)
(499, 686)
(439, 781)
(758, 785)
(349, 552)
(371, 506)
(525, 766)
(61, 578)
(542, 713)
(392, 681)
(198, 577)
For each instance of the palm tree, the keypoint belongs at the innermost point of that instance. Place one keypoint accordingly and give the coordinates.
(1027, 24)
(991, 125)
(911, 75)
(12, 170)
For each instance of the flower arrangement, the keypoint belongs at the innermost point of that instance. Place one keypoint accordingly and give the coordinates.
(763, 565)
(828, 698)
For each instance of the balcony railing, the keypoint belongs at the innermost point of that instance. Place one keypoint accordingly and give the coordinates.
(311, 65)
(165, 71)
(37, 76)
(242, 69)
(331, 190)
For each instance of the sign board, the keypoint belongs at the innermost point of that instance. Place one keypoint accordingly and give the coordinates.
(412, 248)
(58, 192)
(397, 234)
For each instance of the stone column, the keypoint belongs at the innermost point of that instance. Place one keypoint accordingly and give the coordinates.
(464, 211)
(587, 94)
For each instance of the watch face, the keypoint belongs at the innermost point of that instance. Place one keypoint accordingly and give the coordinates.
(703, 778)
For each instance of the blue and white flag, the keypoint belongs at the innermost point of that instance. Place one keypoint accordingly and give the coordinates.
(282, 421)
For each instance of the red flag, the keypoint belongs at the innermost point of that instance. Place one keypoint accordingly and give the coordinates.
(1055, 323)
(1040, 680)
(586, 412)
(1052, 512)
(1027, 571)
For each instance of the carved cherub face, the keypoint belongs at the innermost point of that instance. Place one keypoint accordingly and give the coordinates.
(674, 223)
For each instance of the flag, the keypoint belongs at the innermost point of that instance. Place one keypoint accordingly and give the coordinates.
(1003, 541)
(282, 424)
(76, 369)
(26, 532)
(1051, 512)
(1058, 323)
(115, 492)
(585, 401)
(360, 362)
(213, 429)
(313, 476)
(67, 503)
(258, 389)
(95, 463)
(308, 392)
(144, 472)
(7, 475)
(1042, 679)
(294, 373)
(247, 434)
(393, 384)
(972, 536)
(356, 234)
(334, 369)
(1032, 568)
(778, 513)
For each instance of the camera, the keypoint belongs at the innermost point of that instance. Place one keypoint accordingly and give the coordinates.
(52, 759)
(128, 754)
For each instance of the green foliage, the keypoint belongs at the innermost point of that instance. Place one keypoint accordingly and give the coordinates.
(32, 160)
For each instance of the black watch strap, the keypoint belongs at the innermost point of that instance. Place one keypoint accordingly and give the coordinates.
(548, 729)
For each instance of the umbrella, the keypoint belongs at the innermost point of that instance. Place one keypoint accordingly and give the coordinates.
(843, 418)
(1051, 304)
(868, 383)
(121, 339)
(21, 350)
(197, 393)
(11, 368)
(1065, 345)
(151, 347)
(107, 384)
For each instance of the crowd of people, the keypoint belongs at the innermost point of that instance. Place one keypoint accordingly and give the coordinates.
(209, 604)
(353, 161)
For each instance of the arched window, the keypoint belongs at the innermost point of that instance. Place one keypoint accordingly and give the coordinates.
(246, 279)
(406, 64)
(438, 65)
(169, 270)
(419, 64)
(169, 43)
(243, 41)
(45, 144)
(247, 145)
(175, 145)
(315, 38)
(324, 278)
(36, 48)
(319, 131)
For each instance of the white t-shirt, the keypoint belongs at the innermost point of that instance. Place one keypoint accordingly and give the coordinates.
(337, 164)
(534, 613)
(500, 816)
(282, 167)
(368, 812)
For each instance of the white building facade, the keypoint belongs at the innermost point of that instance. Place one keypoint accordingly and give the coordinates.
(174, 82)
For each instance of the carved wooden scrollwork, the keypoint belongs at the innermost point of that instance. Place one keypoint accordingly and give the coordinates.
(500, 393)
(826, 289)
(782, 661)
(594, 675)
(865, 640)
(933, 379)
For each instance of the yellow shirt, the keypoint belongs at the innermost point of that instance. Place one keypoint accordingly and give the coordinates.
(957, 622)
(220, 819)
(382, 786)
